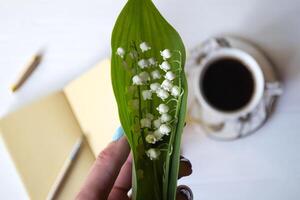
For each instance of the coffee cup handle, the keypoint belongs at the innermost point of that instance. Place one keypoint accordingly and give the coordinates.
(272, 91)
(274, 88)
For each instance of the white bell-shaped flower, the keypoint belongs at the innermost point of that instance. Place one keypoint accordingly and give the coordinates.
(133, 54)
(143, 63)
(165, 129)
(153, 154)
(156, 74)
(137, 80)
(162, 94)
(134, 104)
(165, 66)
(166, 54)
(167, 85)
(145, 123)
(165, 118)
(175, 91)
(158, 135)
(149, 116)
(131, 89)
(144, 76)
(157, 123)
(120, 52)
(154, 86)
(170, 76)
(152, 61)
(151, 139)
(147, 94)
(144, 47)
(163, 108)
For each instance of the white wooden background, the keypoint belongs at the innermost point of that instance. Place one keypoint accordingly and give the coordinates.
(76, 34)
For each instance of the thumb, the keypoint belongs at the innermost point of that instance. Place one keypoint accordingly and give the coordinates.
(105, 170)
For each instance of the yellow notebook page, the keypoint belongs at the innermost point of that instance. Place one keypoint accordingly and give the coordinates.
(92, 100)
(39, 138)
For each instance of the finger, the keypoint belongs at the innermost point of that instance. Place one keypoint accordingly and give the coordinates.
(184, 193)
(185, 167)
(105, 171)
(123, 182)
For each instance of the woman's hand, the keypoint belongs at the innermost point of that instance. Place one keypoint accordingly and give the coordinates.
(110, 175)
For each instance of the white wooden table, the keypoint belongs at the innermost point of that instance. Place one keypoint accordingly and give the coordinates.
(76, 34)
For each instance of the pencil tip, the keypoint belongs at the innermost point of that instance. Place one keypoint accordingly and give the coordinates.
(13, 88)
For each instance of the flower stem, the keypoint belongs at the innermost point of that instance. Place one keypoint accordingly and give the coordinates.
(156, 186)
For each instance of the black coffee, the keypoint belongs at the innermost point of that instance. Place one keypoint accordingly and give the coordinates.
(227, 84)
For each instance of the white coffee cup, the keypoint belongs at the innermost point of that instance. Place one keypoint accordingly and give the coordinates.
(247, 61)
(231, 124)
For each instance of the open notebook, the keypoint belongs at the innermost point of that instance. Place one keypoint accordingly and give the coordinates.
(40, 136)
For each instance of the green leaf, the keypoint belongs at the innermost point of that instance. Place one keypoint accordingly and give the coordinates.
(139, 22)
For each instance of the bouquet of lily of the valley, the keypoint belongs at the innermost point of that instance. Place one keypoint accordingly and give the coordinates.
(150, 87)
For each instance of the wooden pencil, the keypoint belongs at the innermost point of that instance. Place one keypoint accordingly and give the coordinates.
(65, 169)
(27, 71)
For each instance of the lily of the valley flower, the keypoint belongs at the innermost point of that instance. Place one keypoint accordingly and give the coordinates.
(170, 76)
(154, 86)
(133, 54)
(134, 104)
(152, 61)
(149, 116)
(144, 47)
(167, 85)
(143, 63)
(131, 89)
(145, 76)
(162, 93)
(137, 80)
(166, 54)
(153, 154)
(162, 108)
(157, 123)
(145, 123)
(120, 52)
(165, 118)
(158, 135)
(175, 91)
(151, 139)
(156, 74)
(141, 79)
(165, 129)
(165, 66)
(147, 94)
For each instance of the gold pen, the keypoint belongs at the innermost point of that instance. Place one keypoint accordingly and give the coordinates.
(27, 71)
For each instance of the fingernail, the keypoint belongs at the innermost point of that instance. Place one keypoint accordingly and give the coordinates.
(185, 191)
(185, 167)
(183, 159)
(118, 134)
